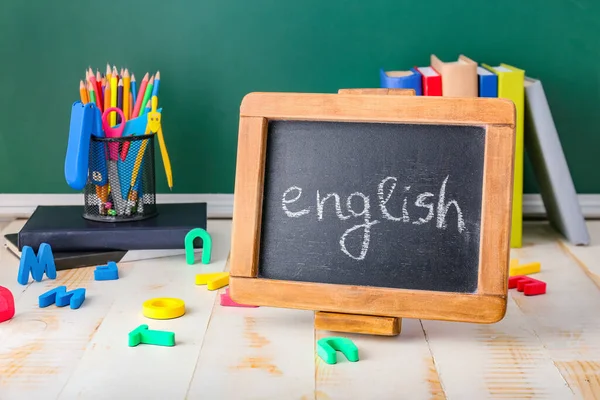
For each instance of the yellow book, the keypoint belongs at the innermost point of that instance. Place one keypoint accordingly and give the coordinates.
(511, 85)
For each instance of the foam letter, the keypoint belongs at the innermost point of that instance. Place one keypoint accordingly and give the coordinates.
(36, 266)
(7, 304)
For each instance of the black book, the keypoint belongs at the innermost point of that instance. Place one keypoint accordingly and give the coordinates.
(80, 259)
(65, 229)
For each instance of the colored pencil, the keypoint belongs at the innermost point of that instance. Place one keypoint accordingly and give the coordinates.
(130, 104)
(133, 93)
(120, 99)
(83, 93)
(126, 92)
(108, 73)
(147, 94)
(140, 97)
(113, 95)
(99, 98)
(92, 92)
(107, 96)
(156, 84)
(92, 81)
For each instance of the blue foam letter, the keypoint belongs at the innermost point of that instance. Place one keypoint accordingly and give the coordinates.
(36, 266)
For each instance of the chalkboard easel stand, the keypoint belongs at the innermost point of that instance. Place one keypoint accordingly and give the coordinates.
(272, 124)
(354, 323)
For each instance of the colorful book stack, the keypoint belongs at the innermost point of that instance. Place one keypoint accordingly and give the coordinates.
(465, 78)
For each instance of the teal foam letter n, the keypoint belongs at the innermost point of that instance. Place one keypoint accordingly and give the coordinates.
(206, 245)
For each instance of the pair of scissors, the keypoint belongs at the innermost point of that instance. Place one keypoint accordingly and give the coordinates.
(113, 132)
(113, 150)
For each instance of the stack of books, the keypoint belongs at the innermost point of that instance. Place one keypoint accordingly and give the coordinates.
(535, 132)
(78, 242)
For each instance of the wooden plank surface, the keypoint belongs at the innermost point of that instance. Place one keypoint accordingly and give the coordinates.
(546, 347)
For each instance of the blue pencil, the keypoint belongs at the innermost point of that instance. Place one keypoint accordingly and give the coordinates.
(156, 84)
(133, 88)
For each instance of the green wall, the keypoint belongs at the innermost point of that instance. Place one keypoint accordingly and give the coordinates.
(212, 52)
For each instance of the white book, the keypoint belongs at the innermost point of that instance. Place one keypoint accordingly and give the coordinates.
(550, 167)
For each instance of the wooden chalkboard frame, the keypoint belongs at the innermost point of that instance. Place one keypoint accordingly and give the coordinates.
(487, 305)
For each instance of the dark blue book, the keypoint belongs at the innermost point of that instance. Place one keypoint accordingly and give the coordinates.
(65, 229)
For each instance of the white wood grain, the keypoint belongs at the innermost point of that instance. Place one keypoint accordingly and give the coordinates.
(110, 369)
(503, 360)
(585, 256)
(40, 348)
(547, 346)
(399, 366)
(566, 318)
(256, 353)
(63, 353)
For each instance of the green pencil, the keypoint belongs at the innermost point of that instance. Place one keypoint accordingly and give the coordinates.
(147, 95)
(92, 93)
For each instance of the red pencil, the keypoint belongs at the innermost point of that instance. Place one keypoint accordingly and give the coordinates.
(99, 89)
(140, 97)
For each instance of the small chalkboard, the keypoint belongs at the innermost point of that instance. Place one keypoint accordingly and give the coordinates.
(392, 206)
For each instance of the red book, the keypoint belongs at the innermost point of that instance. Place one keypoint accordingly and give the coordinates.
(431, 81)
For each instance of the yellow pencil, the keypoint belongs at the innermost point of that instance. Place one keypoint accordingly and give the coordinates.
(83, 94)
(136, 166)
(126, 85)
(107, 95)
(108, 73)
(113, 95)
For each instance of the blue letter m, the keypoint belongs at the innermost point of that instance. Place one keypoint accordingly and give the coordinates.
(37, 266)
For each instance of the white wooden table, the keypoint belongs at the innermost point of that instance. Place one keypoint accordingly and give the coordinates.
(547, 346)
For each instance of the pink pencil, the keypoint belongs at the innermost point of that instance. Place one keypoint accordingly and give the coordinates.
(140, 97)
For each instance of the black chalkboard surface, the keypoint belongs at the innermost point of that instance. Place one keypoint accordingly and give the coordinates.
(373, 204)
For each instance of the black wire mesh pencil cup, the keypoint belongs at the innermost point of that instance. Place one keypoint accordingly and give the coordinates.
(121, 183)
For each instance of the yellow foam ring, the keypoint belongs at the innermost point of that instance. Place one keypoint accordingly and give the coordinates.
(163, 308)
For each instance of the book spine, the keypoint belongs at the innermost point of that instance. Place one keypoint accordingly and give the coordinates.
(432, 85)
(115, 240)
(488, 86)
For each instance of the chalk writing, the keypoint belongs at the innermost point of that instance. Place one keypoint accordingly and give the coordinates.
(385, 191)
